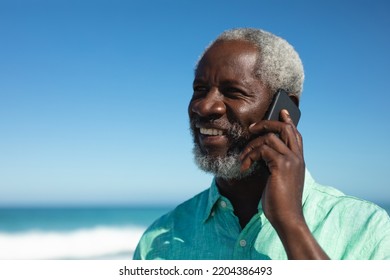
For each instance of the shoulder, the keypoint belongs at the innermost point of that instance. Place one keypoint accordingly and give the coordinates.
(180, 221)
(189, 209)
(328, 198)
(361, 229)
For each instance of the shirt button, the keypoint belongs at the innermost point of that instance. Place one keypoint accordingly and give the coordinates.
(212, 214)
(242, 242)
(223, 204)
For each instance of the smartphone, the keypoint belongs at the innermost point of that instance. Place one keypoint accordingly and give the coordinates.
(283, 101)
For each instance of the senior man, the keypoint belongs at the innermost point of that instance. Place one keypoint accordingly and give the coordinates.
(262, 202)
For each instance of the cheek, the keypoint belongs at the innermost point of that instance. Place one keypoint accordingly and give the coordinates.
(251, 113)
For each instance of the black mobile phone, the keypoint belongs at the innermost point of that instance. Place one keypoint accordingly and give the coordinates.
(283, 101)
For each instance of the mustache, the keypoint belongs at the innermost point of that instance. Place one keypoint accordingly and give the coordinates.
(234, 131)
(217, 123)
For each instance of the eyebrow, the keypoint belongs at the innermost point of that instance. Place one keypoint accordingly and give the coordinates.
(226, 82)
(233, 82)
(198, 81)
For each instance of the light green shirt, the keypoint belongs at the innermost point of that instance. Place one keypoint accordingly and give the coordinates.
(205, 227)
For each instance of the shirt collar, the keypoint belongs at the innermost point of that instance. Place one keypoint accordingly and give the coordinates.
(214, 195)
(309, 183)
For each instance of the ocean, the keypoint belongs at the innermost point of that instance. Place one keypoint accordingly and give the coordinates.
(106, 233)
(99, 233)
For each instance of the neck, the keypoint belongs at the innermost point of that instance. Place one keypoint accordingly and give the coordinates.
(244, 194)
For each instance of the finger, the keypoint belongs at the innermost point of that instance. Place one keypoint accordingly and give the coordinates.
(286, 117)
(270, 157)
(253, 152)
(264, 126)
(285, 129)
(266, 153)
(249, 159)
(270, 139)
(251, 146)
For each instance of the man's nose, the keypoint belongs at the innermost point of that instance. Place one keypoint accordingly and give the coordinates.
(211, 105)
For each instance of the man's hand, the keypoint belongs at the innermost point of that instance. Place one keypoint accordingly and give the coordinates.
(279, 146)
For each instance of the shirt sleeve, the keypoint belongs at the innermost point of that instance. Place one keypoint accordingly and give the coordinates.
(381, 223)
(137, 255)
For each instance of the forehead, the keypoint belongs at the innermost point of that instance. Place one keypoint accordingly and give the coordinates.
(232, 57)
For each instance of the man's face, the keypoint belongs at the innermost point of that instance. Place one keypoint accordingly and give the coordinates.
(227, 99)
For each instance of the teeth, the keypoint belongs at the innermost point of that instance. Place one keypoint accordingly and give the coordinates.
(211, 131)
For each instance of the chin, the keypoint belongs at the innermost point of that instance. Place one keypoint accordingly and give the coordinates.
(226, 166)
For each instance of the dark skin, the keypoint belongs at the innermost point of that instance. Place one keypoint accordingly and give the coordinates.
(227, 91)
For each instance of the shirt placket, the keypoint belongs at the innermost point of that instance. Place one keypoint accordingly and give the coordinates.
(246, 239)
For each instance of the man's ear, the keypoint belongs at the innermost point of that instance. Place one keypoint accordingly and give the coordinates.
(295, 99)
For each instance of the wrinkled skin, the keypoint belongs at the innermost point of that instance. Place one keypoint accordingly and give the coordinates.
(226, 91)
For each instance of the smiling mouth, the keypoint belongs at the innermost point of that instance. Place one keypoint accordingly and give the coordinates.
(211, 131)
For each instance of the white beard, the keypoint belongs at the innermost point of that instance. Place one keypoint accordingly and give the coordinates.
(226, 167)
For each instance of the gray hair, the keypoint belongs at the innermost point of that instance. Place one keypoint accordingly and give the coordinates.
(279, 65)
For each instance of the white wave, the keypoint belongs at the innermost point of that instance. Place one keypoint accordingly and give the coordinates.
(95, 243)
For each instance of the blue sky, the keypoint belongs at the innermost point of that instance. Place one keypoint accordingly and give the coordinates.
(94, 95)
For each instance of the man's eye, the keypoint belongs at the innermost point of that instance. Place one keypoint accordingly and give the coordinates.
(232, 92)
(232, 89)
(200, 91)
